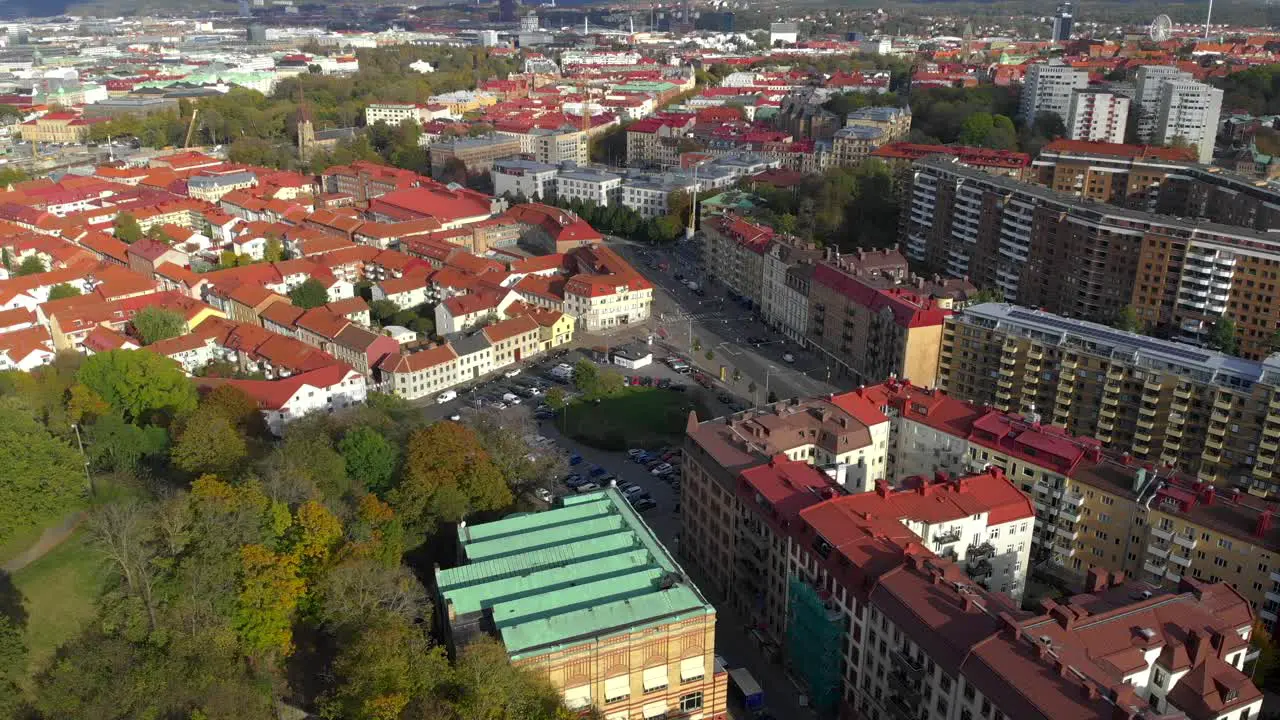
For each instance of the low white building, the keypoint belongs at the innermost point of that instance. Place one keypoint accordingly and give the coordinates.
(589, 185)
(527, 178)
(328, 389)
(649, 195)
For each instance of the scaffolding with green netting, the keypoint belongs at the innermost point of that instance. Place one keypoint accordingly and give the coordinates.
(815, 635)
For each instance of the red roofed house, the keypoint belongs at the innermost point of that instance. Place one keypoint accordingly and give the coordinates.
(604, 291)
(458, 313)
(426, 372)
(146, 255)
(549, 229)
(451, 206)
(282, 401)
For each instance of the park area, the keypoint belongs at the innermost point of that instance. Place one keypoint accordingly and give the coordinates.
(631, 417)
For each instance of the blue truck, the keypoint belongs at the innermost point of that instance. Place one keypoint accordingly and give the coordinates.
(745, 687)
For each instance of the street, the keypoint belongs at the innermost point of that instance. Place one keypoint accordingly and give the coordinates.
(711, 322)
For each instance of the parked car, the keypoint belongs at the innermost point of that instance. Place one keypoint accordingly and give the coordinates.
(662, 469)
(511, 398)
(544, 495)
(575, 458)
(725, 398)
(788, 357)
(573, 480)
(597, 471)
(643, 458)
(644, 505)
(455, 417)
(511, 372)
(498, 405)
(633, 453)
(586, 487)
(446, 396)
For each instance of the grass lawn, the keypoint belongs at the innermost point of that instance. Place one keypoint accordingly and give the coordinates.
(60, 590)
(643, 417)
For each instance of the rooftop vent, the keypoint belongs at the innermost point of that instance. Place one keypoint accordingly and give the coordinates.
(1147, 633)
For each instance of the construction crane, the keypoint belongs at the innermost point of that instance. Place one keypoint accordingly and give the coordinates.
(191, 127)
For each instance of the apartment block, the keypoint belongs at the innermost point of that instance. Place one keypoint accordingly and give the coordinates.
(477, 154)
(589, 185)
(1047, 249)
(586, 596)
(784, 288)
(526, 178)
(733, 251)
(1221, 196)
(1149, 80)
(1188, 111)
(1049, 89)
(1208, 414)
(1127, 175)
(1097, 116)
(874, 622)
(872, 325)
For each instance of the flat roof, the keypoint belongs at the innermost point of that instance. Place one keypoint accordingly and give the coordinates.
(1140, 350)
(588, 569)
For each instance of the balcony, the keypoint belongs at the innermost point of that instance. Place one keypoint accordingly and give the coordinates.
(1158, 551)
(1162, 534)
(1068, 513)
(1152, 386)
(985, 550)
(1182, 392)
(1035, 354)
(907, 663)
(1147, 410)
(1180, 560)
(1066, 533)
(1185, 541)
(1271, 430)
(1275, 576)
(1107, 412)
(1172, 575)
(1221, 403)
(1110, 400)
(1005, 383)
(947, 537)
(1008, 360)
(1154, 568)
(980, 568)
(1115, 374)
(1213, 443)
(1173, 431)
(1072, 498)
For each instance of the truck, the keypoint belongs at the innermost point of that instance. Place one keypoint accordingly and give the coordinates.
(749, 692)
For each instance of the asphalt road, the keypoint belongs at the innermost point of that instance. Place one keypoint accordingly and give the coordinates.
(722, 326)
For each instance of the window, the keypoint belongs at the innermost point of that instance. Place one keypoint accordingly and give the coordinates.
(691, 702)
(692, 669)
(655, 679)
(617, 688)
(1157, 677)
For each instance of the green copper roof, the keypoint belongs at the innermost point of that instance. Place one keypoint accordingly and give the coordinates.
(590, 568)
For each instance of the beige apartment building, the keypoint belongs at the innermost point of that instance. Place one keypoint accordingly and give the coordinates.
(1205, 413)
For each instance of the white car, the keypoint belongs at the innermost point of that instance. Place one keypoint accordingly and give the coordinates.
(511, 399)
(662, 469)
(455, 417)
(788, 357)
(446, 396)
(632, 491)
(511, 373)
(544, 495)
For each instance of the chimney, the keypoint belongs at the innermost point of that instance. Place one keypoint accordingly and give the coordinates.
(1009, 625)
(1207, 496)
(1117, 578)
(969, 604)
(1060, 667)
(1090, 690)
(1063, 614)
(1095, 580)
(1195, 645)
(882, 488)
(1264, 524)
(1218, 642)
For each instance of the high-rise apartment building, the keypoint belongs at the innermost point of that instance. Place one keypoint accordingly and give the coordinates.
(1098, 116)
(1048, 89)
(1159, 401)
(585, 596)
(1046, 249)
(1127, 175)
(1188, 111)
(1149, 80)
(876, 621)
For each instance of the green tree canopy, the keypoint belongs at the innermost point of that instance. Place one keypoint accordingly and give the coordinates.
(43, 476)
(1222, 336)
(138, 383)
(30, 265)
(311, 293)
(126, 228)
(63, 290)
(153, 324)
(447, 474)
(370, 459)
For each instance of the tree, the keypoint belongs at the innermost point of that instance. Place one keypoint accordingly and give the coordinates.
(370, 459)
(586, 377)
(43, 476)
(126, 228)
(362, 588)
(486, 685)
(504, 437)
(1222, 336)
(274, 251)
(382, 311)
(115, 444)
(381, 666)
(209, 443)
(975, 129)
(311, 293)
(447, 474)
(30, 265)
(138, 383)
(153, 324)
(1127, 319)
(63, 290)
(270, 588)
(555, 399)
